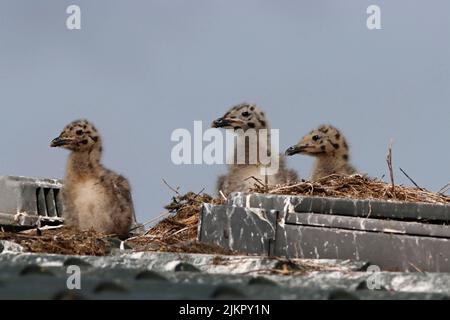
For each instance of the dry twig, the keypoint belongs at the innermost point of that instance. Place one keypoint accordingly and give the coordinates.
(391, 171)
(410, 179)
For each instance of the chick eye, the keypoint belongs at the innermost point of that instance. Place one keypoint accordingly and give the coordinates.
(245, 114)
(316, 137)
(79, 132)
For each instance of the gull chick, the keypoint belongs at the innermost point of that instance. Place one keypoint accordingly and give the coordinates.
(329, 147)
(241, 118)
(94, 197)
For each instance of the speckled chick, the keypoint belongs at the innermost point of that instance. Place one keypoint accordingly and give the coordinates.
(94, 197)
(241, 118)
(330, 149)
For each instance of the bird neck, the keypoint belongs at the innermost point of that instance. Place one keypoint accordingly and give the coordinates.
(327, 164)
(253, 145)
(82, 164)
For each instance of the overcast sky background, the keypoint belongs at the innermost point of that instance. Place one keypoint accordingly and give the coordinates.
(140, 69)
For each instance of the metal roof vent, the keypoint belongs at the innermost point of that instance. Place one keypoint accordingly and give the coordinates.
(392, 235)
(28, 202)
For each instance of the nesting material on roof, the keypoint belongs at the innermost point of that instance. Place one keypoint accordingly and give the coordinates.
(178, 232)
(357, 187)
(61, 241)
(143, 243)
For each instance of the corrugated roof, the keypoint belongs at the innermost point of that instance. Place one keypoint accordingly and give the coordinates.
(147, 275)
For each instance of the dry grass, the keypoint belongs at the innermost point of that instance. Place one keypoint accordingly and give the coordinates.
(144, 243)
(60, 241)
(356, 187)
(178, 232)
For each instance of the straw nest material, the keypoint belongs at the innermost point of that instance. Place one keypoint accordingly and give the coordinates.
(60, 241)
(178, 232)
(356, 187)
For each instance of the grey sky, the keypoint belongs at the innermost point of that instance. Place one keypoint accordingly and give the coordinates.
(140, 69)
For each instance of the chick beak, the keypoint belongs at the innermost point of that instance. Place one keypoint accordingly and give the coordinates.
(294, 150)
(221, 122)
(59, 142)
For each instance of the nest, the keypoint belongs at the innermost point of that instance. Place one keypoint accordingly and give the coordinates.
(178, 232)
(356, 187)
(60, 241)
